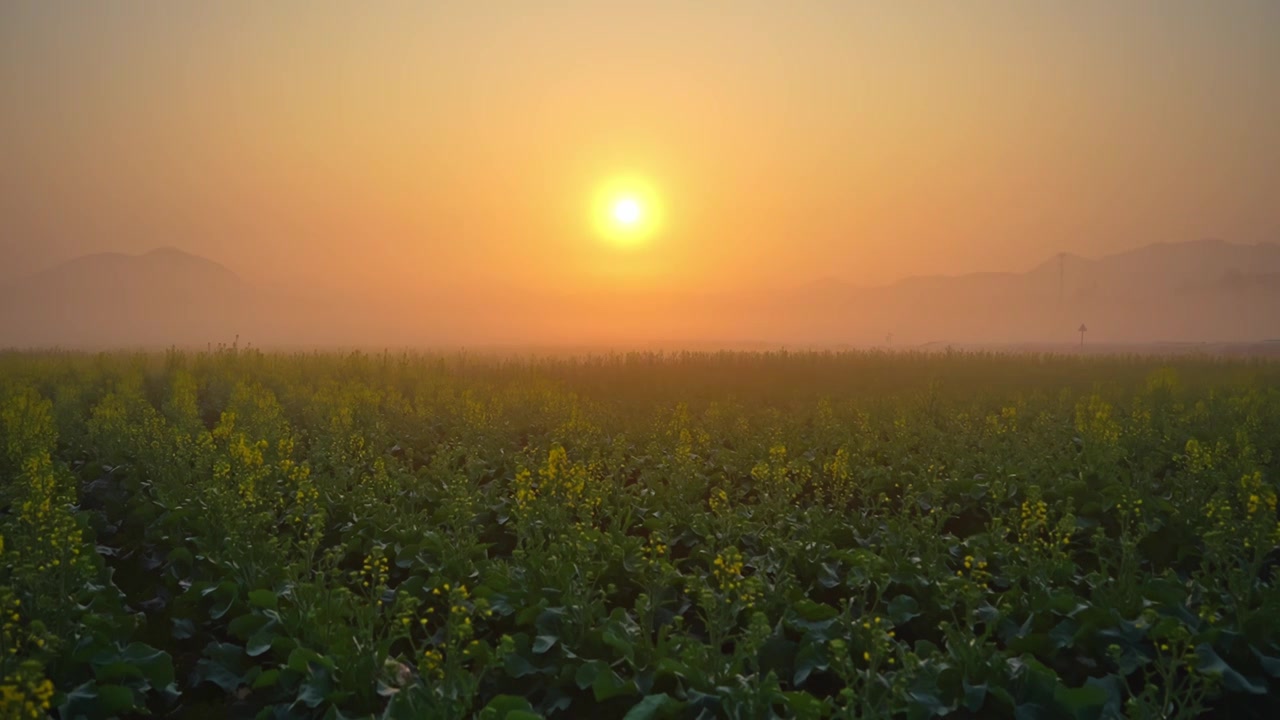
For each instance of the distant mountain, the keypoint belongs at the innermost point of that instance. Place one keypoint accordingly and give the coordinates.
(158, 298)
(1205, 291)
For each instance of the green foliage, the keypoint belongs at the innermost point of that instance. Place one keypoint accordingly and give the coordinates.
(239, 534)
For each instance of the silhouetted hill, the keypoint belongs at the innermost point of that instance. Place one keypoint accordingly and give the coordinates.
(1206, 291)
(162, 297)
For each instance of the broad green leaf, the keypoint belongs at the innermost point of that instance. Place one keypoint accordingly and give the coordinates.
(115, 700)
(1210, 663)
(503, 706)
(902, 609)
(813, 611)
(587, 673)
(265, 599)
(660, 705)
(268, 678)
(517, 666)
(608, 685)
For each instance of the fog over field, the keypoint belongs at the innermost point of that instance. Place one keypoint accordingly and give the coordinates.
(1197, 292)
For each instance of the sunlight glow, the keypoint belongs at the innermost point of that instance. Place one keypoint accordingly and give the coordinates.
(627, 211)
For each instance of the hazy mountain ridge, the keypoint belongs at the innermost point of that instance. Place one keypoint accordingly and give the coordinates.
(1196, 291)
(162, 297)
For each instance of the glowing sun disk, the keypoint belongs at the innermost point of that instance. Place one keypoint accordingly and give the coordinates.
(627, 211)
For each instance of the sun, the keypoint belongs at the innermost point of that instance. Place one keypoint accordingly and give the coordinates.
(627, 211)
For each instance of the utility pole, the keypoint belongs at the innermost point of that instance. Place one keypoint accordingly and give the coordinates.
(1083, 330)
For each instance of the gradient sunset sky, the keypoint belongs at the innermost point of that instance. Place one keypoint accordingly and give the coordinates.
(377, 146)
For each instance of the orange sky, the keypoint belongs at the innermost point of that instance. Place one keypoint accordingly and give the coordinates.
(398, 145)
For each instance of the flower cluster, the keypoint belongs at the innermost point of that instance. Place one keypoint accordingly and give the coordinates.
(718, 500)
(462, 608)
(432, 665)
(26, 693)
(50, 538)
(455, 644)
(1257, 496)
(1243, 514)
(834, 487)
(375, 571)
(19, 636)
(776, 479)
(1127, 509)
(26, 424)
(565, 482)
(654, 550)
(729, 580)
(244, 465)
(974, 568)
(1095, 423)
(523, 489)
(1005, 423)
(1198, 457)
(876, 640)
(1035, 530)
(1035, 518)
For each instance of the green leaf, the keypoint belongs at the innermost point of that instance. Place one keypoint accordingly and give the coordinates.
(814, 611)
(315, 691)
(1032, 711)
(974, 695)
(114, 700)
(504, 707)
(903, 608)
(246, 625)
(805, 706)
(268, 678)
(1081, 702)
(585, 677)
(615, 636)
(156, 665)
(265, 599)
(1116, 691)
(81, 702)
(1270, 665)
(211, 671)
(301, 659)
(517, 666)
(116, 671)
(223, 665)
(224, 596)
(812, 656)
(543, 643)
(926, 704)
(671, 667)
(261, 641)
(608, 685)
(1210, 663)
(654, 706)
